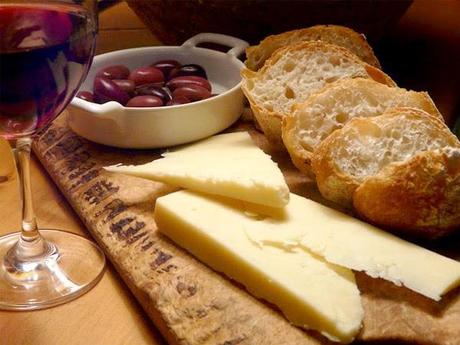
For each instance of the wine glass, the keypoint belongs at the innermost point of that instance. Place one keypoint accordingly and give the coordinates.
(46, 48)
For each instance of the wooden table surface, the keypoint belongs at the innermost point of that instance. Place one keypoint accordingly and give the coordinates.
(109, 314)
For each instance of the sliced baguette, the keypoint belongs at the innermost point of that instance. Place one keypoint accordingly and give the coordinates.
(364, 146)
(334, 34)
(293, 73)
(420, 196)
(337, 103)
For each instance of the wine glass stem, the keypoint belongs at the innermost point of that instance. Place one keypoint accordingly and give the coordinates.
(30, 243)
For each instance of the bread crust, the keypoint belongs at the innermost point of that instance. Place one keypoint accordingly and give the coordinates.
(300, 157)
(418, 197)
(270, 120)
(292, 124)
(338, 186)
(334, 34)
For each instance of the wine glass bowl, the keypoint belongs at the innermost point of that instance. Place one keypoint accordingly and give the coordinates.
(46, 48)
(45, 52)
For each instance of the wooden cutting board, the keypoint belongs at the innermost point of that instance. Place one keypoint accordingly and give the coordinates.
(187, 301)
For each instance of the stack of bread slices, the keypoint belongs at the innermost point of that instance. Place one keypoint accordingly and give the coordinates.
(386, 151)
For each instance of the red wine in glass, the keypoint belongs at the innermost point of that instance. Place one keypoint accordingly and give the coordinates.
(46, 49)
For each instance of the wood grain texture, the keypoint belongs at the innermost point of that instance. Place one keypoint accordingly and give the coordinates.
(108, 314)
(188, 302)
(120, 28)
(90, 319)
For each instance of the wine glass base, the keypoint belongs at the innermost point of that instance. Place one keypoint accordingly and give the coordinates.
(72, 267)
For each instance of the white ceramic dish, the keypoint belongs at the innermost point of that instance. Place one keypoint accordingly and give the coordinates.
(115, 125)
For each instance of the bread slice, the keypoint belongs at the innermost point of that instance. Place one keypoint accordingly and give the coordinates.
(337, 103)
(293, 73)
(420, 196)
(364, 146)
(334, 34)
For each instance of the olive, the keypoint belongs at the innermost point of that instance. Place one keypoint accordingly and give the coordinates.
(146, 85)
(106, 90)
(188, 80)
(114, 72)
(178, 100)
(126, 85)
(190, 69)
(86, 95)
(166, 66)
(192, 92)
(146, 75)
(154, 90)
(145, 101)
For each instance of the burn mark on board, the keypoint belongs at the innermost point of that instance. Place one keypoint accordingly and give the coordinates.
(112, 209)
(147, 246)
(136, 237)
(64, 148)
(201, 313)
(186, 290)
(159, 264)
(87, 177)
(160, 259)
(80, 170)
(128, 229)
(167, 269)
(75, 161)
(99, 191)
(52, 135)
(234, 341)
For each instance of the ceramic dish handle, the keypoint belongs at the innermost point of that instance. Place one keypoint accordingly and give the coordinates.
(237, 45)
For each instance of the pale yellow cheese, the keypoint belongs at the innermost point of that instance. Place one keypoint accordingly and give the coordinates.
(228, 164)
(348, 242)
(310, 292)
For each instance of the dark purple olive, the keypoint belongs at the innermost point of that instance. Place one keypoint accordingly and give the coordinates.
(166, 66)
(192, 92)
(126, 85)
(178, 100)
(154, 90)
(86, 95)
(168, 92)
(146, 75)
(114, 72)
(145, 101)
(106, 90)
(188, 80)
(191, 69)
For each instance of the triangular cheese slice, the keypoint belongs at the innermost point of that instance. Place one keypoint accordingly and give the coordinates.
(227, 164)
(309, 291)
(351, 243)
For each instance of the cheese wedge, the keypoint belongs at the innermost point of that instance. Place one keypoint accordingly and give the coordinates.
(310, 292)
(228, 164)
(348, 242)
